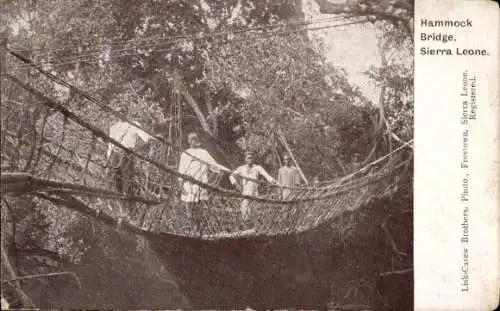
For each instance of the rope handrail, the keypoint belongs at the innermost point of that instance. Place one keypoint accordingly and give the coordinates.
(97, 132)
(124, 118)
(31, 184)
(109, 109)
(376, 161)
(105, 137)
(64, 160)
(34, 184)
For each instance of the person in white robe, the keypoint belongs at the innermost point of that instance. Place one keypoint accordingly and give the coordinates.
(288, 177)
(196, 162)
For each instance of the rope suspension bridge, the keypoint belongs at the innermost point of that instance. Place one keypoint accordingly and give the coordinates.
(57, 151)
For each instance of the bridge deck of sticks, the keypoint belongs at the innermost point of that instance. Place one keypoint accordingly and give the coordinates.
(57, 152)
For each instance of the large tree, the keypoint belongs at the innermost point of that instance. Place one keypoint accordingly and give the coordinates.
(397, 12)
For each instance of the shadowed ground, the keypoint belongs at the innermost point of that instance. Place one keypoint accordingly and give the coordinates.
(310, 270)
(338, 264)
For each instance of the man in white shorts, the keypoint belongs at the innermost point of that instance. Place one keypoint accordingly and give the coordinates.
(248, 174)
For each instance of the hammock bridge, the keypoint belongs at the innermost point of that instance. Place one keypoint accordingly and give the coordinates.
(56, 152)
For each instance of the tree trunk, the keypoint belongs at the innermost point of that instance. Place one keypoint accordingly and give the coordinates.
(384, 12)
(10, 274)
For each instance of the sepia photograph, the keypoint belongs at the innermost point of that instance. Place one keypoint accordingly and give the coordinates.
(207, 154)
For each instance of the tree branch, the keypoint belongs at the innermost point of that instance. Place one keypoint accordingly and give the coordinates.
(194, 105)
(394, 136)
(80, 207)
(399, 253)
(34, 276)
(396, 272)
(191, 102)
(25, 299)
(390, 13)
(14, 233)
(372, 151)
(43, 253)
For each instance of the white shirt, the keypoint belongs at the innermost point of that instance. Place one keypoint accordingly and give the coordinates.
(250, 187)
(127, 134)
(188, 165)
(197, 169)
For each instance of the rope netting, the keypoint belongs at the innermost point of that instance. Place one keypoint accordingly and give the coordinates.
(62, 149)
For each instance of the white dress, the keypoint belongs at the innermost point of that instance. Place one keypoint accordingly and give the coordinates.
(288, 176)
(188, 165)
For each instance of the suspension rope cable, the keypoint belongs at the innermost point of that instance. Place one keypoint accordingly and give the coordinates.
(153, 48)
(292, 22)
(122, 117)
(99, 133)
(376, 161)
(93, 58)
(196, 37)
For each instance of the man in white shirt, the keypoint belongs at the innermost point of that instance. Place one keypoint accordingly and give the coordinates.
(121, 163)
(196, 162)
(248, 175)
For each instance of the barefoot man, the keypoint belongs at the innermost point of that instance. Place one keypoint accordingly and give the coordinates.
(248, 174)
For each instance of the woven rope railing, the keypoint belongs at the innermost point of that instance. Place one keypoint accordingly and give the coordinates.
(93, 100)
(61, 149)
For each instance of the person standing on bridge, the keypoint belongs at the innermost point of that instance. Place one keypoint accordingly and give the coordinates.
(122, 163)
(195, 162)
(248, 184)
(288, 177)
